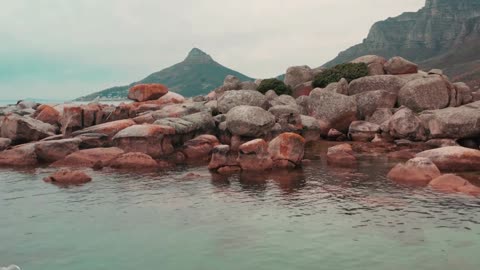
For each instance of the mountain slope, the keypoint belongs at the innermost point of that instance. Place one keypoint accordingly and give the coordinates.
(198, 74)
(444, 34)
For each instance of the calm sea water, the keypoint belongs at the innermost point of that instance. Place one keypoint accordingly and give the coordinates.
(314, 218)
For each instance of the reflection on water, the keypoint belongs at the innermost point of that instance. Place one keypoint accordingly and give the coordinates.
(312, 218)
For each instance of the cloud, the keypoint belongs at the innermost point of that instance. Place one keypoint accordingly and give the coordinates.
(68, 48)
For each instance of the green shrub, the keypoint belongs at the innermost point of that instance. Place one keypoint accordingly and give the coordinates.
(276, 85)
(349, 71)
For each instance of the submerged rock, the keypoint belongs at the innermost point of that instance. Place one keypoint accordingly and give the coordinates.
(341, 155)
(89, 157)
(68, 177)
(416, 171)
(287, 150)
(223, 157)
(454, 158)
(254, 156)
(454, 183)
(133, 160)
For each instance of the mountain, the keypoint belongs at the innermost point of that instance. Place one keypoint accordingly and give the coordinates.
(198, 74)
(443, 34)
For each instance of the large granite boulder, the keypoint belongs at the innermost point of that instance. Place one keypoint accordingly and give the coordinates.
(282, 100)
(68, 177)
(287, 150)
(21, 155)
(199, 147)
(380, 116)
(180, 110)
(254, 156)
(416, 171)
(363, 131)
(464, 92)
(133, 161)
(47, 114)
(90, 158)
(288, 117)
(297, 75)
(149, 139)
(223, 157)
(425, 94)
(338, 110)
(388, 83)
(196, 123)
(404, 124)
(249, 121)
(398, 65)
(232, 99)
(456, 123)
(340, 87)
(369, 102)
(144, 92)
(311, 128)
(109, 129)
(25, 129)
(51, 151)
(374, 62)
(453, 158)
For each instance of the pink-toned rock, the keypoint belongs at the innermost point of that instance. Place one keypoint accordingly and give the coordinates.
(404, 124)
(254, 156)
(47, 114)
(51, 151)
(415, 171)
(199, 147)
(22, 129)
(375, 64)
(22, 155)
(68, 177)
(341, 155)
(222, 156)
(335, 135)
(109, 129)
(168, 98)
(71, 118)
(144, 92)
(454, 158)
(287, 148)
(363, 131)
(4, 143)
(137, 161)
(229, 169)
(398, 65)
(92, 115)
(302, 89)
(448, 183)
(153, 140)
(89, 157)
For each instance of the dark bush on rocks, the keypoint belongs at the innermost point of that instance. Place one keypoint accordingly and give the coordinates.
(276, 85)
(349, 71)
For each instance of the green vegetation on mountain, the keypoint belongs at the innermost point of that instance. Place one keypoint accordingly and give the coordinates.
(197, 75)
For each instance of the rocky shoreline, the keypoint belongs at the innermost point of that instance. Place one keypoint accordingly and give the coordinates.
(397, 111)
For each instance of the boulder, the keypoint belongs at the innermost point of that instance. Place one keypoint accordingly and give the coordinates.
(249, 121)
(199, 147)
(21, 129)
(109, 129)
(287, 116)
(93, 140)
(340, 87)
(248, 85)
(297, 75)
(438, 143)
(375, 64)
(363, 131)
(454, 158)
(456, 123)
(144, 92)
(231, 83)
(47, 114)
(404, 124)
(71, 118)
(5, 143)
(197, 123)
(369, 102)
(283, 100)
(149, 139)
(339, 111)
(464, 92)
(341, 155)
(335, 135)
(302, 89)
(388, 83)
(398, 65)
(21, 156)
(416, 171)
(254, 156)
(430, 93)
(51, 151)
(133, 160)
(180, 110)
(232, 99)
(380, 116)
(287, 150)
(26, 104)
(222, 157)
(311, 128)
(90, 157)
(68, 177)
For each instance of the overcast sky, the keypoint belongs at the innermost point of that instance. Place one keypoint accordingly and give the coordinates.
(65, 49)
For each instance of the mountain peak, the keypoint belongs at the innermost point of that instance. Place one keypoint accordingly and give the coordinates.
(198, 56)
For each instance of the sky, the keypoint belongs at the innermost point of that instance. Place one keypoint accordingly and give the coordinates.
(63, 49)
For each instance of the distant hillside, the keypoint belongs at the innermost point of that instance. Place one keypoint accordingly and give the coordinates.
(444, 34)
(198, 74)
